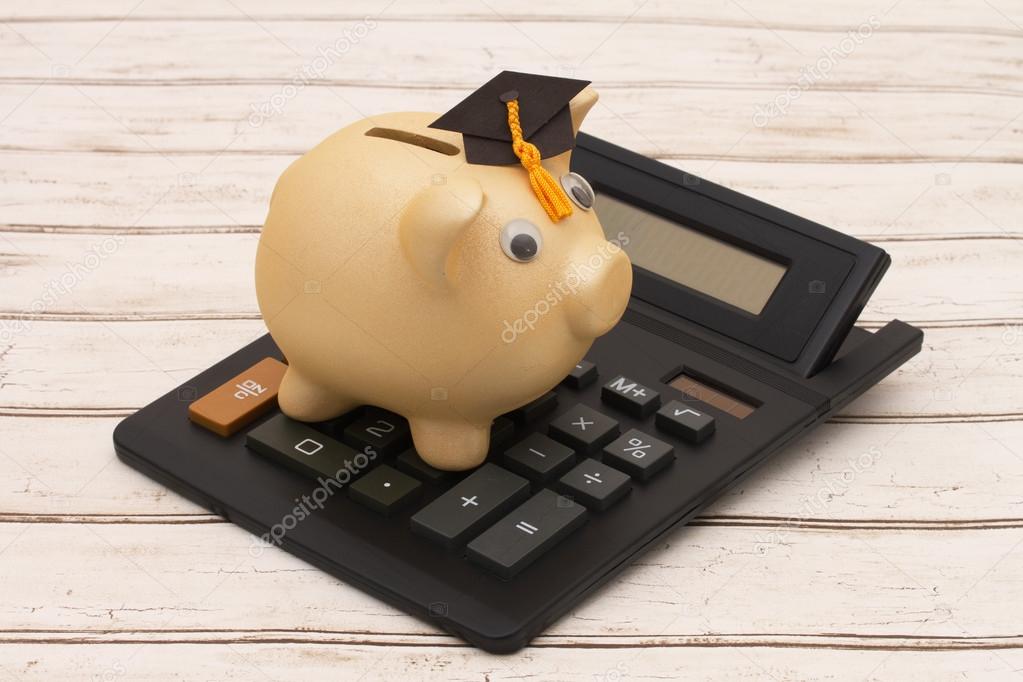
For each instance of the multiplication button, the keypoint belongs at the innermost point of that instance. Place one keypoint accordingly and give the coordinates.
(639, 455)
(682, 420)
(630, 396)
(584, 429)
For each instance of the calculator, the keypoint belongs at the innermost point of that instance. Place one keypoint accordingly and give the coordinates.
(738, 338)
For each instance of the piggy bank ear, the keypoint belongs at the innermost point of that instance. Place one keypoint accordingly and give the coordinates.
(580, 105)
(432, 223)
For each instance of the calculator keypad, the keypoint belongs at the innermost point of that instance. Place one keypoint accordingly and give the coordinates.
(630, 396)
(304, 449)
(584, 429)
(539, 458)
(470, 506)
(522, 536)
(384, 432)
(489, 512)
(386, 490)
(684, 421)
(639, 455)
(596, 485)
(582, 375)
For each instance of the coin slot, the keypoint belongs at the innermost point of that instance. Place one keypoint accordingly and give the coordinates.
(416, 139)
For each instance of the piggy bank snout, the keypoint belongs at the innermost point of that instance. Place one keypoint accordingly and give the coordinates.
(604, 283)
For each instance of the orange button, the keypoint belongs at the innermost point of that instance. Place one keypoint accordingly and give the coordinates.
(228, 408)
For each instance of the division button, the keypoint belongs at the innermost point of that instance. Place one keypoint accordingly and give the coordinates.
(682, 420)
(539, 458)
(241, 400)
(596, 485)
(582, 375)
(304, 449)
(385, 490)
(470, 506)
(584, 429)
(630, 396)
(639, 455)
(522, 536)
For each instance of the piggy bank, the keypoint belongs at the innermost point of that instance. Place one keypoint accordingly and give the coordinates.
(393, 273)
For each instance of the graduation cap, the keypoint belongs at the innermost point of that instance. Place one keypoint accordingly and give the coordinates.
(519, 118)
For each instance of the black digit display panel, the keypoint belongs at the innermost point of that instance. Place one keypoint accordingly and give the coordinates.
(797, 320)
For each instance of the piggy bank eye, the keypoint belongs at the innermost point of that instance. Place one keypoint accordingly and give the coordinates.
(521, 240)
(576, 187)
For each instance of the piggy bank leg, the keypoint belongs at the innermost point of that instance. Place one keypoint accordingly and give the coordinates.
(305, 401)
(452, 446)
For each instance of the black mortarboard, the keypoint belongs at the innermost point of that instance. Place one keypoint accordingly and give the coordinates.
(482, 117)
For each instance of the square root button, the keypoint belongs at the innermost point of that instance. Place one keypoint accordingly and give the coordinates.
(680, 419)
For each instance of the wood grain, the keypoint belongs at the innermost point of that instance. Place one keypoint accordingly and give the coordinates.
(886, 544)
(734, 121)
(275, 51)
(159, 276)
(883, 476)
(870, 582)
(370, 658)
(963, 373)
(207, 192)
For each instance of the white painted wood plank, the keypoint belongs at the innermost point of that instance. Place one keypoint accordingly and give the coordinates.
(716, 122)
(701, 580)
(370, 660)
(231, 192)
(849, 475)
(211, 275)
(469, 52)
(919, 15)
(962, 373)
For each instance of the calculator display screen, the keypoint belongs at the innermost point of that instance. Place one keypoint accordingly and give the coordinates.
(690, 257)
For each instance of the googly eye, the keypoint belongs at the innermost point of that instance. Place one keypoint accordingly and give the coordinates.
(521, 240)
(576, 187)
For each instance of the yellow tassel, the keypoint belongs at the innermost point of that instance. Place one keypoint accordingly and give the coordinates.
(548, 190)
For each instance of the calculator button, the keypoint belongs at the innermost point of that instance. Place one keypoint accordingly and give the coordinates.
(582, 375)
(411, 463)
(539, 458)
(501, 431)
(631, 397)
(522, 536)
(639, 455)
(385, 432)
(385, 490)
(584, 429)
(470, 506)
(596, 485)
(304, 449)
(536, 409)
(678, 418)
(239, 401)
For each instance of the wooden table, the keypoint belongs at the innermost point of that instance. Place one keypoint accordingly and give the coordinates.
(139, 142)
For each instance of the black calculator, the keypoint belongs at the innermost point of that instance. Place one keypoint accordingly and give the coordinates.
(739, 336)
